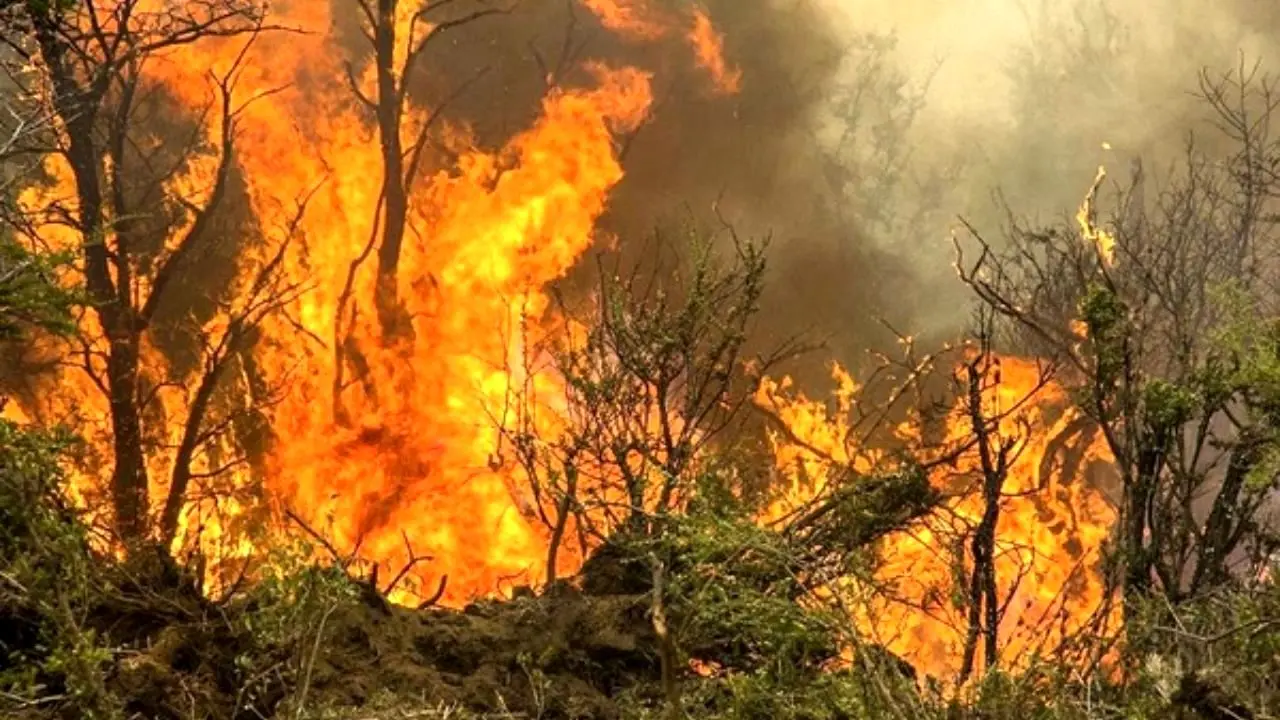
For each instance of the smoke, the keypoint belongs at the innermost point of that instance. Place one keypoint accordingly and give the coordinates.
(757, 160)
(862, 129)
(1028, 97)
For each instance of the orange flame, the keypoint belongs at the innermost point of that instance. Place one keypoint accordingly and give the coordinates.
(419, 460)
(1053, 521)
(410, 469)
(638, 20)
(708, 46)
(629, 18)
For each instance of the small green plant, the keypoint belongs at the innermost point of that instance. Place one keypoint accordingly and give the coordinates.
(49, 579)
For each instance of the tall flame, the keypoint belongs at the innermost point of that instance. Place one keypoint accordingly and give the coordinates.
(418, 460)
(410, 468)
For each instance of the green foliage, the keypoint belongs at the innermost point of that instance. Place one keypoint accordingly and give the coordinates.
(1104, 314)
(30, 296)
(1228, 640)
(285, 616)
(66, 643)
(736, 598)
(1167, 404)
(48, 578)
(765, 695)
(1247, 347)
(293, 594)
(740, 603)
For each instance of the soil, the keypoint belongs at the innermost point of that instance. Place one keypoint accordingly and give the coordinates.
(563, 654)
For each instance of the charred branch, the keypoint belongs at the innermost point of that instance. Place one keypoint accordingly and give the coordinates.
(389, 106)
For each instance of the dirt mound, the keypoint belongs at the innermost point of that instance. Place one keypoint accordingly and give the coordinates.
(563, 654)
(176, 654)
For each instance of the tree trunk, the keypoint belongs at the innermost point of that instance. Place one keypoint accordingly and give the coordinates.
(1217, 543)
(129, 491)
(391, 317)
(667, 654)
(78, 107)
(1139, 494)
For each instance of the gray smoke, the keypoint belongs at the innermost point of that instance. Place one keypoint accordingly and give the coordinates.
(864, 128)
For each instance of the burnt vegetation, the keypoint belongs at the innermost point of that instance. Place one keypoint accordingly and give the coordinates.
(677, 583)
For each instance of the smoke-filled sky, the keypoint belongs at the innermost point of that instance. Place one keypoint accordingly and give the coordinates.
(977, 38)
(1017, 95)
(1023, 94)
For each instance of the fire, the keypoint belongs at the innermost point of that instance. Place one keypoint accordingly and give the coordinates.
(639, 20)
(385, 447)
(630, 18)
(708, 46)
(820, 440)
(1053, 519)
(1103, 241)
(417, 460)
(401, 461)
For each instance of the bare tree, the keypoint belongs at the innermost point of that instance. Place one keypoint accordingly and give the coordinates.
(996, 451)
(984, 611)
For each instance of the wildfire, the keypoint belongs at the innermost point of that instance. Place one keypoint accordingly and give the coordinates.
(406, 466)
(1053, 519)
(418, 460)
(386, 447)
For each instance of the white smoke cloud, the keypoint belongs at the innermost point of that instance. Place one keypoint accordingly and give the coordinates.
(1029, 96)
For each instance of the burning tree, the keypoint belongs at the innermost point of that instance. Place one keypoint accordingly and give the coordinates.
(650, 389)
(1161, 322)
(144, 193)
(399, 35)
(1003, 566)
